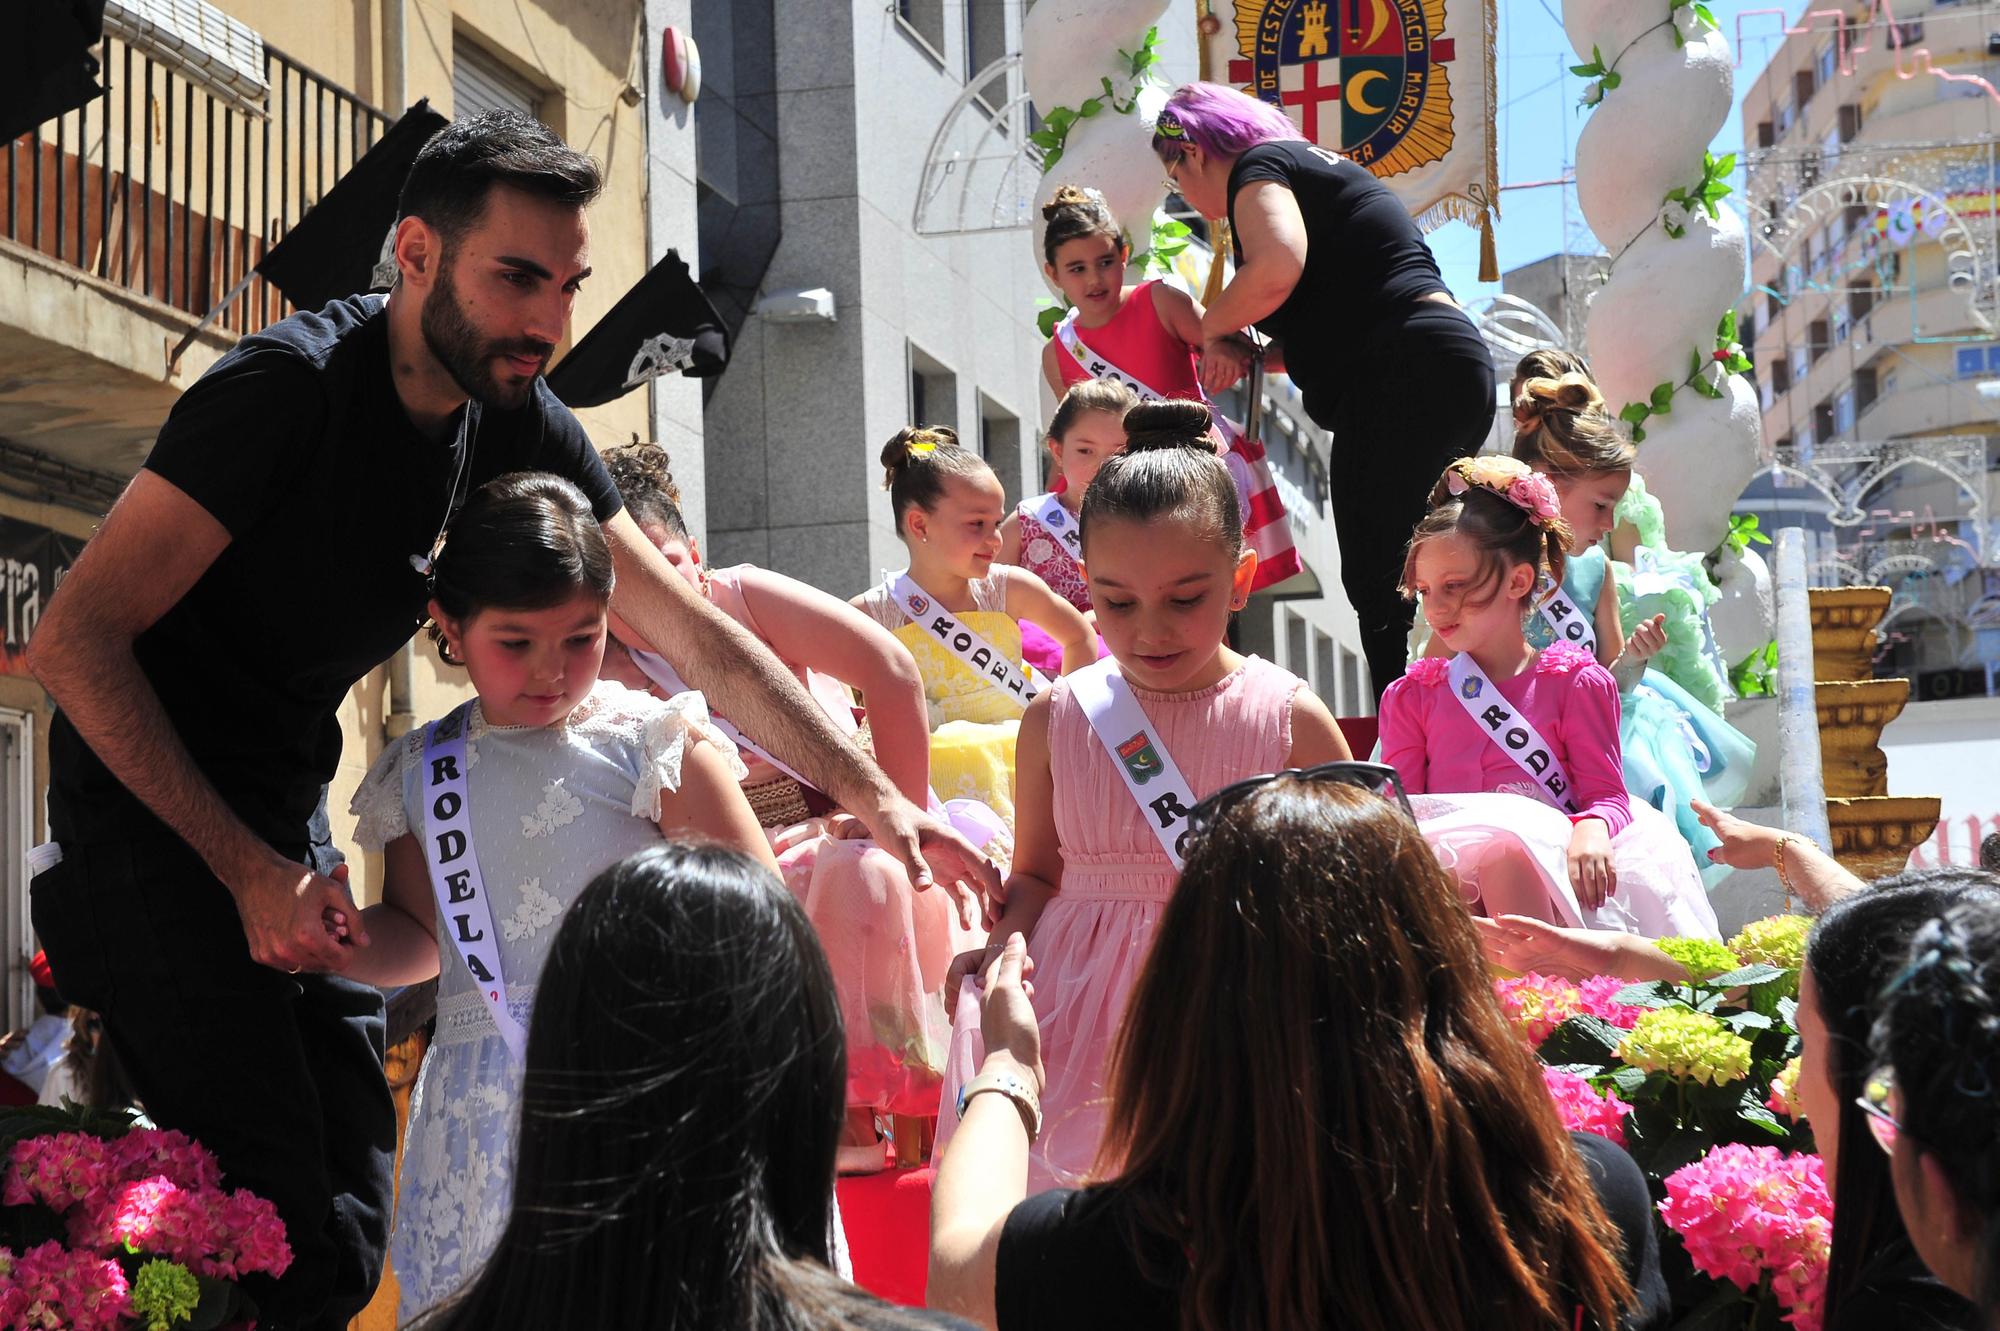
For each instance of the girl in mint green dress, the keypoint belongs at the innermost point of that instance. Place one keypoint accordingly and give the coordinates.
(1676, 747)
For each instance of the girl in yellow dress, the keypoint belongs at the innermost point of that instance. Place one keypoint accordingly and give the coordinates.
(959, 613)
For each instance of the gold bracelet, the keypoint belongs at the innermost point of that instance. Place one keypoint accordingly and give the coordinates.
(1778, 863)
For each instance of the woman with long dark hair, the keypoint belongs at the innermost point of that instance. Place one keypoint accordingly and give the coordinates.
(1874, 1275)
(1318, 1115)
(1329, 264)
(1934, 1100)
(682, 1103)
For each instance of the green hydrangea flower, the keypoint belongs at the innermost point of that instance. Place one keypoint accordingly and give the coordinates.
(1777, 941)
(164, 1295)
(1703, 957)
(1688, 1046)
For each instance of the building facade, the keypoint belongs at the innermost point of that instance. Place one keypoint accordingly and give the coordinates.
(128, 220)
(1871, 317)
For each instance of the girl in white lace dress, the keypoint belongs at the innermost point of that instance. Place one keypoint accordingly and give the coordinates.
(565, 775)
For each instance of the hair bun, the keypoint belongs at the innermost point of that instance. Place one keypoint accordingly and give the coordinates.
(1174, 423)
(914, 442)
(637, 467)
(1072, 196)
(1572, 393)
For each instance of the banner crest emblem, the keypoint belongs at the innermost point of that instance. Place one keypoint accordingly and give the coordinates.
(1140, 758)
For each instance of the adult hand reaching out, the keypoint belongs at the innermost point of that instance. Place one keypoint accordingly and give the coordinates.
(1224, 360)
(1521, 943)
(1007, 1016)
(297, 920)
(925, 844)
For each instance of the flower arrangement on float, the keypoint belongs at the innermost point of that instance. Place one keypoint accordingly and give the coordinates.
(106, 1226)
(1695, 1078)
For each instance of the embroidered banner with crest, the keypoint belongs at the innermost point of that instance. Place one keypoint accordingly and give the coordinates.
(1403, 87)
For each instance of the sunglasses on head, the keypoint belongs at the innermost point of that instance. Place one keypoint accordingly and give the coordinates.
(1375, 778)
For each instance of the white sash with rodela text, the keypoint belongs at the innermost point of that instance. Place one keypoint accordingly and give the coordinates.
(1020, 683)
(1566, 622)
(1056, 520)
(1512, 732)
(1148, 770)
(464, 910)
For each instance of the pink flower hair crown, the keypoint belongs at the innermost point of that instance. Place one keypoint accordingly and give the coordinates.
(1511, 479)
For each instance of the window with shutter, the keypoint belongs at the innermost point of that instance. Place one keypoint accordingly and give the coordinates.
(479, 82)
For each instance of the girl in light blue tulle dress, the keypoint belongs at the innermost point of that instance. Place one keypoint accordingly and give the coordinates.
(563, 774)
(1676, 748)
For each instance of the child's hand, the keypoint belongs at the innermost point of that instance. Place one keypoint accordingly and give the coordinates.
(1224, 360)
(1648, 640)
(974, 962)
(1591, 874)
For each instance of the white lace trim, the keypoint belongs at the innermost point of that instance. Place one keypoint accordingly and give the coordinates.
(667, 732)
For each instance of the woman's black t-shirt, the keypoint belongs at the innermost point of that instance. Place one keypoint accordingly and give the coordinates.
(1064, 1260)
(1366, 262)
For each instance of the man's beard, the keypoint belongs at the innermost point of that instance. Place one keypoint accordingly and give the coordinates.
(466, 356)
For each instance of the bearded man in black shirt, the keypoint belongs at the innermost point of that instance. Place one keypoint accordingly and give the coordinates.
(267, 556)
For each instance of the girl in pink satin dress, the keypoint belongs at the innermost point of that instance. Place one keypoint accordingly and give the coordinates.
(1167, 566)
(1510, 755)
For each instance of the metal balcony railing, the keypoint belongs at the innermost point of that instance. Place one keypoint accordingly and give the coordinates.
(175, 192)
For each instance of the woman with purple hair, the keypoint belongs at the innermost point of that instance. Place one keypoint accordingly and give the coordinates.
(1330, 266)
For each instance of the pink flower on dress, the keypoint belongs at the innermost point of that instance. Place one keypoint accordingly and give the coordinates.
(1746, 1211)
(1598, 993)
(1428, 670)
(1563, 658)
(1582, 1109)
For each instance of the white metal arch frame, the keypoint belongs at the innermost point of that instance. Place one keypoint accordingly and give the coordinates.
(980, 176)
(1960, 459)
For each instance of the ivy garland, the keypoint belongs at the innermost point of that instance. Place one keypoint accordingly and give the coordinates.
(1057, 121)
(1728, 353)
(1607, 76)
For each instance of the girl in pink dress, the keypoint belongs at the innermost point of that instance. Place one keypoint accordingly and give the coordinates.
(1091, 872)
(1149, 337)
(1041, 533)
(889, 946)
(1510, 755)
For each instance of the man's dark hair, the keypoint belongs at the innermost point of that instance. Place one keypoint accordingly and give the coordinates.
(448, 182)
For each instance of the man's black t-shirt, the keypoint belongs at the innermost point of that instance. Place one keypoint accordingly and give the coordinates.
(1365, 259)
(1065, 1259)
(297, 443)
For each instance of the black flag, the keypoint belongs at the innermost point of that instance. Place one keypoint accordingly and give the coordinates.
(46, 65)
(664, 323)
(333, 250)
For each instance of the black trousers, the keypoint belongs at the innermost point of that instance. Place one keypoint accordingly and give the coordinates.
(1423, 396)
(279, 1075)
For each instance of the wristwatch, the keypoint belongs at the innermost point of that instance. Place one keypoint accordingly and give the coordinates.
(1015, 1088)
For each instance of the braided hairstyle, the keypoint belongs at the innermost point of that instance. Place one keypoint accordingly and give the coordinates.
(1168, 469)
(1499, 529)
(1562, 429)
(918, 462)
(1939, 1029)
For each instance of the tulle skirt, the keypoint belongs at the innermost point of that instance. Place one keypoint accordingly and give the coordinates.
(975, 760)
(1659, 893)
(1088, 948)
(889, 947)
(1676, 750)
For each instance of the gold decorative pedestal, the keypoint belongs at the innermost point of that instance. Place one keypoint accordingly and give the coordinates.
(1873, 831)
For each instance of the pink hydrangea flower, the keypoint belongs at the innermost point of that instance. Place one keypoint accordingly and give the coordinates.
(212, 1233)
(1747, 1211)
(1428, 670)
(1582, 1109)
(1538, 1003)
(147, 1152)
(59, 1171)
(54, 1289)
(1597, 995)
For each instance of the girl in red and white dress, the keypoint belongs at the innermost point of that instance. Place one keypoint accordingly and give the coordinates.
(1042, 534)
(1148, 336)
